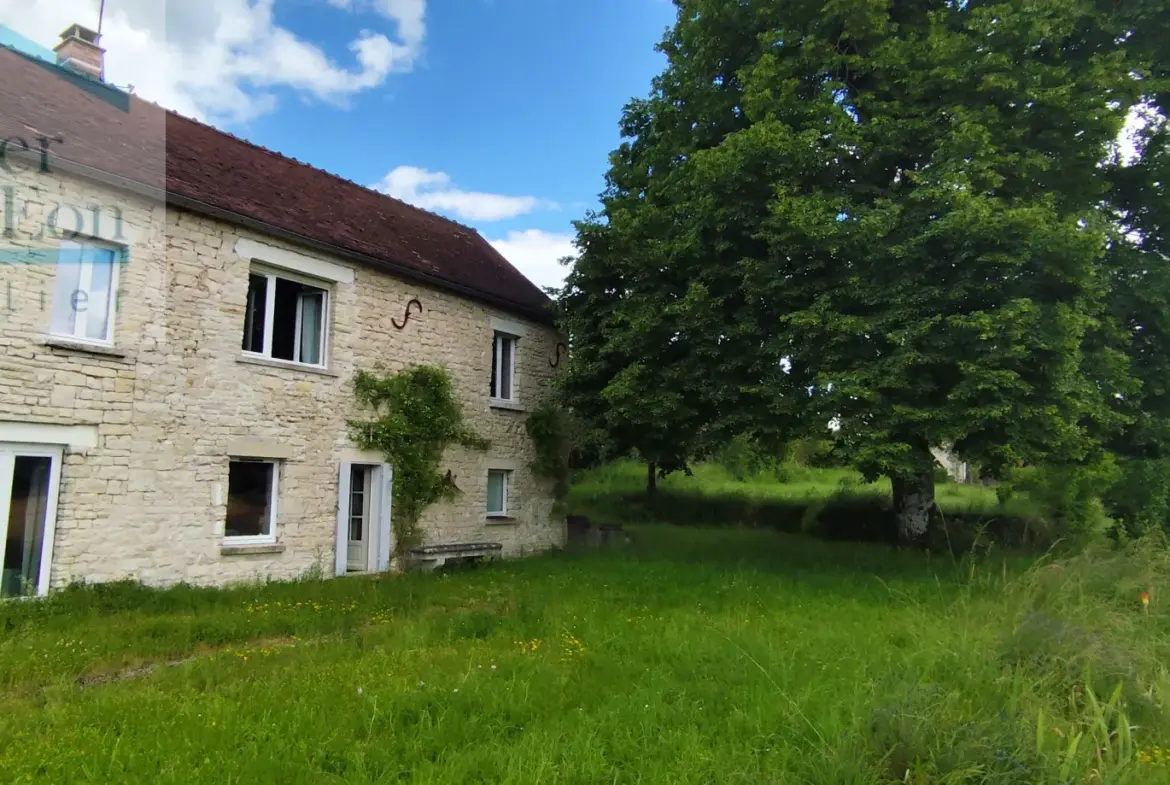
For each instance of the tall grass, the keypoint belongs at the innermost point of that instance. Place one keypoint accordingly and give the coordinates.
(692, 655)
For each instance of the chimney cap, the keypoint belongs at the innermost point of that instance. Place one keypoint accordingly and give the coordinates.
(81, 33)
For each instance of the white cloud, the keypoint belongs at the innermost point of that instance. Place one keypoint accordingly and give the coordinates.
(536, 254)
(434, 191)
(221, 60)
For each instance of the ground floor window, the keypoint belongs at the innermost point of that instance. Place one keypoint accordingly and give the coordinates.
(251, 503)
(29, 479)
(498, 484)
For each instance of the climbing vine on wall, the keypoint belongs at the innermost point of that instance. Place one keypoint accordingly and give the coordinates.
(416, 417)
(550, 429)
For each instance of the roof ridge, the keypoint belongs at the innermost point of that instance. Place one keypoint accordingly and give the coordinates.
(277, 154)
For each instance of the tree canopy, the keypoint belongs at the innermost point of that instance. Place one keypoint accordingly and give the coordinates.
(906, 217)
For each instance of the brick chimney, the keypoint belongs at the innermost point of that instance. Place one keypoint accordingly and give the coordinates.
(79, 51)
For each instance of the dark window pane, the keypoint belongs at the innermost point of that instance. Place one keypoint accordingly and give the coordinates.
(254, 313)
(508, 346)
(249, 499)
(357, 502)
(26, 525)
(284, 319)
(495, 358)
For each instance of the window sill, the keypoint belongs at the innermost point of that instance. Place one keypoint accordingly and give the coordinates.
(69, 344)
(231, 549)
(500, 520)
(499, 403)
(289, 364)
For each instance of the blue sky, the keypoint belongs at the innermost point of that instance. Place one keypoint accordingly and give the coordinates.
(497, 113)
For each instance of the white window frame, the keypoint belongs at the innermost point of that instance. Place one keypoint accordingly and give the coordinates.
(272, 273)
(273, 497)
(498, 351)
(9, 451)
(507, 475)
(84, 280)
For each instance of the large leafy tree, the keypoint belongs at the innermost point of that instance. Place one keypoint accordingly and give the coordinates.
(886, 214)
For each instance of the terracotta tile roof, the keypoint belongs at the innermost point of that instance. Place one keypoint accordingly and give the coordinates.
(206, 170)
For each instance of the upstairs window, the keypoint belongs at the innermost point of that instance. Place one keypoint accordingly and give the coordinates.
(504, 367)
(84, 292)
(285, 319)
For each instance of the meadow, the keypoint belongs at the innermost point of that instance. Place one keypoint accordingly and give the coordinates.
(829, 503)
(690, 655)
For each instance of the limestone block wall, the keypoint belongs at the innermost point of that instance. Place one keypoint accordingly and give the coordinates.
(175, 395)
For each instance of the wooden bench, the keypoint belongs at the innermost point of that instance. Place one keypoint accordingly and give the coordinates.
(432, 557)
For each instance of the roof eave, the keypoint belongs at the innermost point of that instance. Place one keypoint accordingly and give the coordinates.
(544, 316)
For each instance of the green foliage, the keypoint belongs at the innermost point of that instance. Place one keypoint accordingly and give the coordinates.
(552, 434)
(742, 458)
(812, 452)
(1140, 498)
(867, 201)
(417, 417)
(750, 656)
(1071, 496)
(1138, 204)
(625, 400)
(1131, 495)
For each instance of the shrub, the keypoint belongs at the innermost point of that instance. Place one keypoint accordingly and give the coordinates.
(1139, 500)
(1069, 496)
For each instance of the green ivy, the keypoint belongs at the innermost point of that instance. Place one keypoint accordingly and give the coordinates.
(417, 418)
(550, 429)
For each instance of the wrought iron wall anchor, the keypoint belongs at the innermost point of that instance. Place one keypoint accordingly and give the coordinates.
(559, 350)
(406, 316)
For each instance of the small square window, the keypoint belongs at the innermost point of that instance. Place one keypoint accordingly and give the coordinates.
(85, 292)
(251, 503)
(285, 319)
(498, 484)
(504, 367)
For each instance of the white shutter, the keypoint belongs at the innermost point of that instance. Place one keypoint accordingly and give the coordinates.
(385, 498)
(341, 554)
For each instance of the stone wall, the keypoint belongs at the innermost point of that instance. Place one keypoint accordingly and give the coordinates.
(174, 396)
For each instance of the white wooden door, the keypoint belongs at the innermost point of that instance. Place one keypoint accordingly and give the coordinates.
(29, 480)
(360, 526)
(363, 518)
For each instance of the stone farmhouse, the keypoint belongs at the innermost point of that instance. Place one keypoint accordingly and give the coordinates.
(182, 314)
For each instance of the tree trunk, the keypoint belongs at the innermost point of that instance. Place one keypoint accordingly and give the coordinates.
(914, 506)
(651, 478)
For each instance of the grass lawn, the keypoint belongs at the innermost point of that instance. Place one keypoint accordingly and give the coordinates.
(833, 504)
(693, 655)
